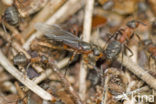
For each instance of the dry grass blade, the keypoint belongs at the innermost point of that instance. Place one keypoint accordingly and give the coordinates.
(69, 89)
(138, 71)
(86, 37)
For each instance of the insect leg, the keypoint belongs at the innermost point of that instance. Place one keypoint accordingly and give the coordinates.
(138, 37)
(129, 50)
(70, 60)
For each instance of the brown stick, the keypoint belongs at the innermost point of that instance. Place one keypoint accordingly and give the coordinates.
(86, 37)
(69, 89)
(138, 71)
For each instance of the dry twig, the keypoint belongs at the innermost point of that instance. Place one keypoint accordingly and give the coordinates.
(69, 89)
(86, 37)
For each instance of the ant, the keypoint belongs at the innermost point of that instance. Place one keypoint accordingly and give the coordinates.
(11, 19)
(72, 43)
(150, 47)
(125, 34)
(22, 61)
(69, 42)
(112, 51)
(11, 15)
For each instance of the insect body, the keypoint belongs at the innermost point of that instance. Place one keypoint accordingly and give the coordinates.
(112, 51)
(11, 15)
(69, 41)
(124, 35)
(22, 60)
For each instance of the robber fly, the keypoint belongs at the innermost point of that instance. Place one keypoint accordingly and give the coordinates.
(70, 41)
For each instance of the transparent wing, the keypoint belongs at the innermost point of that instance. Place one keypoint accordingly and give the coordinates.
(54, 32)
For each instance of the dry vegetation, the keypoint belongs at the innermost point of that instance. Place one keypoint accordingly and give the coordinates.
(112, 62)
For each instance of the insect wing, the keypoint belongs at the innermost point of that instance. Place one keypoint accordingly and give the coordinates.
(55, 33)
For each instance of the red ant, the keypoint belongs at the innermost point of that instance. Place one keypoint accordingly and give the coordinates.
(124, 35)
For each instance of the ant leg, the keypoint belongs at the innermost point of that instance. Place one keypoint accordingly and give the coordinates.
(70, 60)
(138, 37)
(129, 50)
(131, 36)
(119, 32)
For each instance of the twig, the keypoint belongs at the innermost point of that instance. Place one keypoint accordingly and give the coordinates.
(153, 5)
(105, 90)
(119, 97)
(131, 66)
(138, 71)
(24, 80)
(48, 72)
(68, 9)
(51, 7)
(18, 47)
(15, 33)
(86, 37)
(69, 89)
(20, 92)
